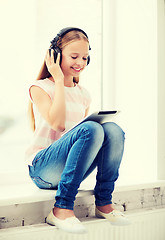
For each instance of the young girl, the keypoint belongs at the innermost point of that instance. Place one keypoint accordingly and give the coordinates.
(62, 161)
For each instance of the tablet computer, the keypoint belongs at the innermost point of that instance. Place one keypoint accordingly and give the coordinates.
(98, 116)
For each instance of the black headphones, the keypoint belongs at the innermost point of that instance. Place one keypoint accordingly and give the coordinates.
(61, 34)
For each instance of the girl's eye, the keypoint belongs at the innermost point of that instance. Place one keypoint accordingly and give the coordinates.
(84, 58)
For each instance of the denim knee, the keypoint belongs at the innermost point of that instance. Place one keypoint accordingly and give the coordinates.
(113, 131)
(94, 129)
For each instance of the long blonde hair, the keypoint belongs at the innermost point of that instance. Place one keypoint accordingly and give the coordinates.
(69, 37)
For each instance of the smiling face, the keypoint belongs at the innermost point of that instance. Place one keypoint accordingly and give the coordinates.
(74, 58)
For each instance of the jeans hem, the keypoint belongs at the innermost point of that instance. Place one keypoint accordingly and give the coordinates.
(100, 204)
(63, 206)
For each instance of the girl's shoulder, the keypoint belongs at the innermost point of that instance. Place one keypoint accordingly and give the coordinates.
(45, 84)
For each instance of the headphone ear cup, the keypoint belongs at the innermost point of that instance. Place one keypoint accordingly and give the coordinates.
(88, 60)
(56, 52)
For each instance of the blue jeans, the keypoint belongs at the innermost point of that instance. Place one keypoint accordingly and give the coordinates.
(69, 160)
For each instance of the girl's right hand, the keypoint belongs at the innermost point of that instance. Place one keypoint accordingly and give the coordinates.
(54, 68)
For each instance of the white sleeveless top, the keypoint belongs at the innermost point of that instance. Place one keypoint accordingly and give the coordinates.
(77, 101)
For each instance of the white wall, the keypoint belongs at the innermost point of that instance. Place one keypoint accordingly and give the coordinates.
(136, 86)
(161, 89)
(17, 50)
(108, 54)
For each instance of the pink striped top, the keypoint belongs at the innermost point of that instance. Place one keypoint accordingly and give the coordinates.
(77, 101)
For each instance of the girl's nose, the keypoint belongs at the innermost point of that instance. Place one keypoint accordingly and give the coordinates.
(80, 62)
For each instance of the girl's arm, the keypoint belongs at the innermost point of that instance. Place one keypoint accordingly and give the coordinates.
(52, 111)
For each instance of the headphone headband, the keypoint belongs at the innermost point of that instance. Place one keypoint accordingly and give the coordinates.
(64, 31)
(69, 29)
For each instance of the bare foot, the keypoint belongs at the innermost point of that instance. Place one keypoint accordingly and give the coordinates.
(63, 213)
(106, 209)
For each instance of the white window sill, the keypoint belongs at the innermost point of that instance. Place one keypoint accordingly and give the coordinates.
(18, 189)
